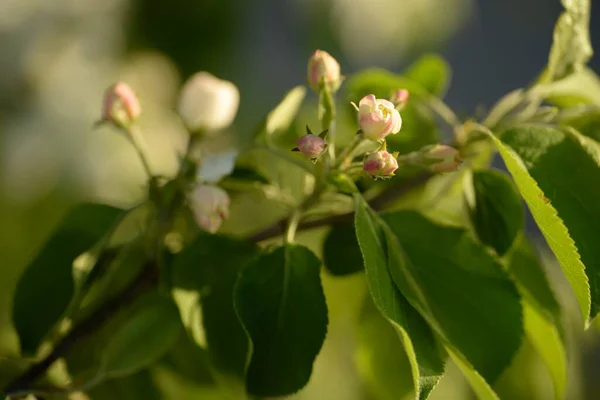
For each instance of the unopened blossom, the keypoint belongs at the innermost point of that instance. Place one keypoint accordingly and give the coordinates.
(323, 67)
(400, 97)
(207, 103)
(120, 105)
(442, 158)
(380, 164)
(210, 206)
(312, 146)
(378, 118)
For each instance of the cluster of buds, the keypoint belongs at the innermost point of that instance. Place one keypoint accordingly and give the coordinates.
(380, 164)
(120, 106)
(311, 145)
(323, 70)
(210, 206)
(378, 118)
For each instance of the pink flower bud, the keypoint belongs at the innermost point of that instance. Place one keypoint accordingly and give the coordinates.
(380, 164)
(443, 158)
(208, 103)
(378, 118)
(312, 146)
(400, 98)
(322, 66)
(121, 105)
(210, 206)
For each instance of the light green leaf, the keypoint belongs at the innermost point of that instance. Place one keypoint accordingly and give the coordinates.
(495, 209)
(562, 201)
(280, 302)
(427, 365)
(542, 317)
(579, 88)
(47, 285)
(143, 338)
(204, 276)
(571, 47)
(282, 116)
(432, 72)
(481, 388)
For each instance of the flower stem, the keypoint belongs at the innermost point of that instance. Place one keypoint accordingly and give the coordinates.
(135, 137)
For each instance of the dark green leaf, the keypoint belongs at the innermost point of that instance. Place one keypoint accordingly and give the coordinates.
(421, 347)
(432, 72)
(204, 276)
(46, 287)
(280, 301)
(341, 254)
(495, 209)
(380, 357)
(145, 337)
(541, 311)
(248, 174)
(442, 271)
(563, 167)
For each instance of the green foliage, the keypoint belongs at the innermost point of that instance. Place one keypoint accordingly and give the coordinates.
(427, 362)
(545, 152)
(496, 210)
(281, 117)
(47, 284)
(549, 221)
(145, 337)
(204, 275)
(341, 254)
(432, 72)
(280, 302)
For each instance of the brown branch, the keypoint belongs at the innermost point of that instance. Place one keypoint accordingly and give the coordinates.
(142, 283)
(378, 203)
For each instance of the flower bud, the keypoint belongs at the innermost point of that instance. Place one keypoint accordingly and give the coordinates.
(378, 118)
(210, 206)
(312, 146)
(121, 105)
(380, 164)
(400, 98)
(442, 158)
(207, 103)
(323, 67)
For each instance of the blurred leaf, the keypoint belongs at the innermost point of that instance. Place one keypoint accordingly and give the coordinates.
(146, 336)
(541, 313)
(562, 200)
(282, 116)
(138, 386)
(280, 301)
(248, 174)
(341, 254)
(481, 388)
(587, 124)
(427, 365)
(571, 47)
(204, 275)
(495, 209)
(441, 270)
(432, 72)
(46, 287)
(579, 88)
(380, 357)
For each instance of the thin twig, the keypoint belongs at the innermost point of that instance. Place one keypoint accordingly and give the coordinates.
(142, 283)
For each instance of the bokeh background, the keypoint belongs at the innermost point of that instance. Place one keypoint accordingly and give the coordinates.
(57, 57)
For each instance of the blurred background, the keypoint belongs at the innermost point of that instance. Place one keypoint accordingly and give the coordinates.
(58, 56)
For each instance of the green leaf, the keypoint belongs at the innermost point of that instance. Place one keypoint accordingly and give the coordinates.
(204, 276)
(280, 302)
(46, 287)
(541, 311)
(341, 254)
(145, 337)
(579, 88)
(432, 72)
(380, 356)
(441, 270)
(427, 365)
(495, 209)
(481, 388)
(282, 116)
(241, 173)
(562, 201)
(571, 47)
